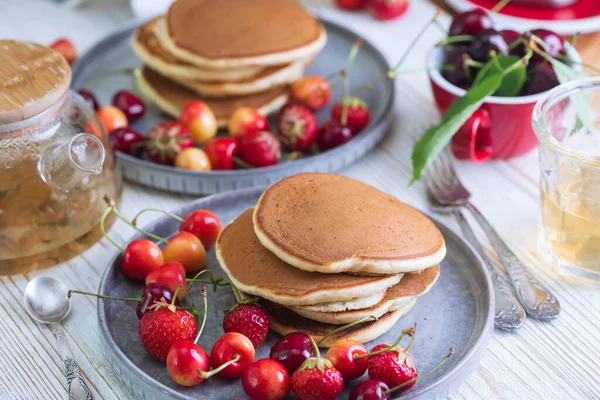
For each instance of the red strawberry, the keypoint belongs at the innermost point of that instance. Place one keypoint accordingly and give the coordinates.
(259, 149)
(317, 379)
(297, 127)
(393, 367)
(358, 114)
(250, 320)
(161, 328)
(66, 48)
(166, 140)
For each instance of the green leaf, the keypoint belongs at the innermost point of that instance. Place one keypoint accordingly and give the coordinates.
(581, 101)
(437, 137)
(513, 81)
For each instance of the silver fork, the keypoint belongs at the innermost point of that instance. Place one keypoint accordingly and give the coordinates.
(447, 190)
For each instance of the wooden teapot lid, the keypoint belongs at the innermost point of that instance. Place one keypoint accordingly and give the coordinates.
(32, 79)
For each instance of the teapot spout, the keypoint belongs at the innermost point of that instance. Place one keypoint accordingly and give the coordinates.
(64, 166)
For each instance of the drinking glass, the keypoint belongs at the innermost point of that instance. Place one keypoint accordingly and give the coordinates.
(567, 124)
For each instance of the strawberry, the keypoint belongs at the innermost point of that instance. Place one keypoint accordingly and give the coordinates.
(317, 379)
(166, 140)
(259, 149)
(358, 114)
(250, 320)
(161, 328)
(393, 367)
(297, 127)
(66, 48)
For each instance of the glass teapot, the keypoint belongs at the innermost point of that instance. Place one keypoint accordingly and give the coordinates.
(53, 176)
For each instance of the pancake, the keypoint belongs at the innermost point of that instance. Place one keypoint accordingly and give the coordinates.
(398, 296)
(149, 50)
(284, 321)
(330, 224)
(265, 80)
(258, 272)
(170, 97)
(348, 305)
(236, 33)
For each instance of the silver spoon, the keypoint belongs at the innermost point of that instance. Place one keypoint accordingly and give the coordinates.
(46, 300)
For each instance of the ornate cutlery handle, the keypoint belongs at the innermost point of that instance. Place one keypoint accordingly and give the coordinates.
(509, 313)
(76, 386)
(533, 295)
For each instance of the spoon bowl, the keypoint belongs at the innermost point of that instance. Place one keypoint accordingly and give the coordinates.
(46, 299)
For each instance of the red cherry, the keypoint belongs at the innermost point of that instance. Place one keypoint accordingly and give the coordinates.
(172, 275)
(205, 225)
(89, 98)
(227, 348)
(184, 361)
(130, 104)
(66, 48)
(245, 121)
(554, 43)
(313, 91)
(127, 140)
(511, 36)
(351, 4)
(358, 115)
(385, 10)
(200, 120)
(333, 134)
(111, 118)
(220, 152)
(292, 350)
(153, 292)
(266, 379)
(485, 42)
(371, 389)
(260, 149)
(187, 249)
(343, 357)
(470, 23)
(140, 257)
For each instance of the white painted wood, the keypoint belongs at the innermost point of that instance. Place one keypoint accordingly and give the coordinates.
(555, 360)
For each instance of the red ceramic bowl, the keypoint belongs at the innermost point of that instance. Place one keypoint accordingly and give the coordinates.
(500, 128)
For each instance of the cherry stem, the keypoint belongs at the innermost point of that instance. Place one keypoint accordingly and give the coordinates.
(241, 162)
(574, 38)
(175, 217)
(204, 316)
(455, 39)
(315, 347)
(390, 347)
(412, 332)
(175, 295)
(499, 6)
(212, 281)
(136, 299)
(98, 78)
(366, 86)
(236, 292)
(393, 72)
(103, 229)
(343, 328)
(112, 206)
(416, 378)
(351, 57)
(206, 375)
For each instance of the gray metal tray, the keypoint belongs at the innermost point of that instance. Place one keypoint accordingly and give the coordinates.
(457, 312)
(114, 53)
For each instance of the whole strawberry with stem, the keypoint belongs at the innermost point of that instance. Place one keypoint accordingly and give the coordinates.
(259, 149)
(297, 127)
(392, 364)
(375, 389)
(247, 318)
(317, 379)
(160, 328)
(166, 140)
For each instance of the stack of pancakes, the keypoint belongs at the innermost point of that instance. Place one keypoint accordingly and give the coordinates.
(323, 250)
(227, 53)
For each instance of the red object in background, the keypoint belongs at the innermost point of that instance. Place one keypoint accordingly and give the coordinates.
(579, 10)
(385, 10)
(65, 47)
(351, 4)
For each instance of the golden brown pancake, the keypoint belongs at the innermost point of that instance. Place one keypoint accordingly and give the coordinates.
(257, 271)
(284, 321)
(218, 29)
(171, 97)
(330, 224)
(398, 296)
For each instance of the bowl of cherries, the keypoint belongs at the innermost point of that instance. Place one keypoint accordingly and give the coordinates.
(501, 126)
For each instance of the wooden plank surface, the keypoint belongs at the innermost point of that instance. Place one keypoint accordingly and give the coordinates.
(555, 360)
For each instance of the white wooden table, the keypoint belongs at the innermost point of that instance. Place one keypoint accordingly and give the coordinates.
(556, 360)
